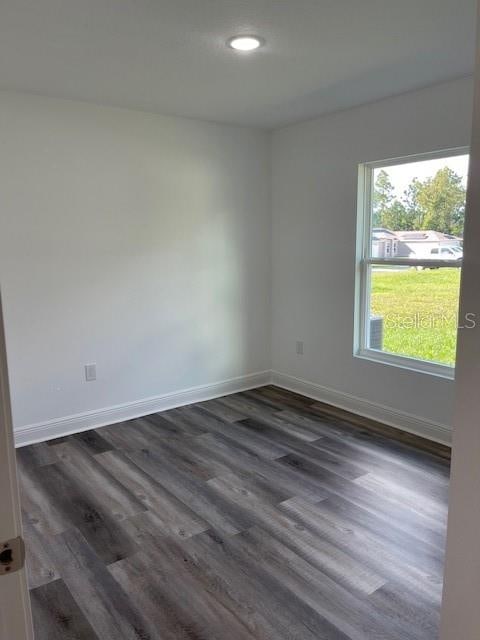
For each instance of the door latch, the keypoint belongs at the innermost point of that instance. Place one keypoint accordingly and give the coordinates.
(12, 555)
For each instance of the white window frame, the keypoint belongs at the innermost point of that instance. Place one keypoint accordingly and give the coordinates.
(364, 261)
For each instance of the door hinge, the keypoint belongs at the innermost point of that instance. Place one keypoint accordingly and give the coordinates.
(12, 555)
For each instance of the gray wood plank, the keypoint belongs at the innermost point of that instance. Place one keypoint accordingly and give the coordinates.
(38, 505)
(414, 524)
(172, 517)
(39, 565)
(206, 613)
(350, 615)
(101, 599)
(286, 611)
(320, 553)
(284, 478)
(81, 509)
(369, 549)
(412, 551)
(291, 444)
(246, 438)
(36, 455)
(94, 480)
(196, 494)
(258, 516)
(256, 410)
(220, 410)
(57, 616)
(92, 442)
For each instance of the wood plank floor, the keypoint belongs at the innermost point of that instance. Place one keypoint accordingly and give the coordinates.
(261, 515)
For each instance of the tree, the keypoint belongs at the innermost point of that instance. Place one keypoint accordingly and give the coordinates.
(437, 203)
(442, 202)
(415, 213)
(382, 198)
(388, 211)
(396, 217)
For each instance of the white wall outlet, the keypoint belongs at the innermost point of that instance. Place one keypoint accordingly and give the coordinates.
(90, 372)
(299, 347)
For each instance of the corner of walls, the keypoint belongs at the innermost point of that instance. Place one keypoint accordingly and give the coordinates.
(42, 431)
(360, 406)
(270, 135)
(302, 222)
(314, 192)
(141, 244)
(63, 426)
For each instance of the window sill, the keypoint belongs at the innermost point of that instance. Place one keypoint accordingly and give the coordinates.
(411, 364)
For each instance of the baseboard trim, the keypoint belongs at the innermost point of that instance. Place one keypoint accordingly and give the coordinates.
(42, 431)
(400, 420)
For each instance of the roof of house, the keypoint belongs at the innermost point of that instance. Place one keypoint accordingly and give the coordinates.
(380, 233)
(426, 235)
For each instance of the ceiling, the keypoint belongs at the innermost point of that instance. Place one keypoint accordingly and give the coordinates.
(169, 56)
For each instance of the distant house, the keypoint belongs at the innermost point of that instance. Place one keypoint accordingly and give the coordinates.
(415, 244)
(384, 243)
(427, 244)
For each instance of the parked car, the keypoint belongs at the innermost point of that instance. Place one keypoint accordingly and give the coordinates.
(452, 253)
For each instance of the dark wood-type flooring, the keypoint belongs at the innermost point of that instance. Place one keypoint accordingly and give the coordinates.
(262, 515)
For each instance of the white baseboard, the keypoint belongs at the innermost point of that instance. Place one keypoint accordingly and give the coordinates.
(41, 431)
(406, 422)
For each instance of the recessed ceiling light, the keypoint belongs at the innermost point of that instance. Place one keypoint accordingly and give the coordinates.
(245, 43)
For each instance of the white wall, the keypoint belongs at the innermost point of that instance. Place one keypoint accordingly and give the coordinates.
(142, 243)
(314, 191)
(136, 241)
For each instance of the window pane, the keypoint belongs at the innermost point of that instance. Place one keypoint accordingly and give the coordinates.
(414, 312)
(419, 209)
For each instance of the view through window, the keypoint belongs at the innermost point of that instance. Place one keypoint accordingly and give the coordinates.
(411, 261)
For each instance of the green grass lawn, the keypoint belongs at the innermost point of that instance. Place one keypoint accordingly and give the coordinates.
(419, 309)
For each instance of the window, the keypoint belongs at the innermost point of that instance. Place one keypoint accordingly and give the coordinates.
(409, 258)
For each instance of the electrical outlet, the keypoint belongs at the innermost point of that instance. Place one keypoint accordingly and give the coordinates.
(90, 372)
(299, 347)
